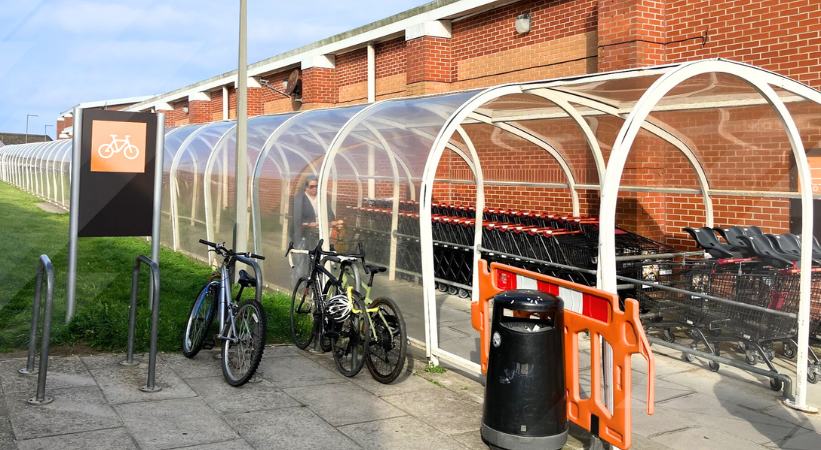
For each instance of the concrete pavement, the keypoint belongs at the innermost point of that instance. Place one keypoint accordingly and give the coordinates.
(300, 401)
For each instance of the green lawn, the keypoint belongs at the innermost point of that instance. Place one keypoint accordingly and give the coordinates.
(103, 283)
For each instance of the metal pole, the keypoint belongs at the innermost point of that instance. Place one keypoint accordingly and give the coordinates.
(150, 386)
(35, 320)
(40, 398)
(74, 213)
(27, 125)
(132, 316)
(159, 154)
(240, 180)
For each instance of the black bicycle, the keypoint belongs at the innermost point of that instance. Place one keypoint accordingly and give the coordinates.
(323, 307)
(242, 323)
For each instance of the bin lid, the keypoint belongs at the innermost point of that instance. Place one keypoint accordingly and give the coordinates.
(528, 300)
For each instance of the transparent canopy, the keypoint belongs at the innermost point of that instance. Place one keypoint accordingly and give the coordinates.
(724, 138)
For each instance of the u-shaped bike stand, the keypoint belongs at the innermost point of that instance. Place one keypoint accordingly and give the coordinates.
(154, 293)
(44, 267)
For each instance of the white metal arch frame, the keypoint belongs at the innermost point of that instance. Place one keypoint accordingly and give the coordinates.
(761, 81)
(173, 184)
(653, 126)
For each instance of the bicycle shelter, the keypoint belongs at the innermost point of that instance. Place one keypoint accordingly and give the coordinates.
(695, 143)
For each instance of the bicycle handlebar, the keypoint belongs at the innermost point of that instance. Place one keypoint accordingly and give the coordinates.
(225, 251)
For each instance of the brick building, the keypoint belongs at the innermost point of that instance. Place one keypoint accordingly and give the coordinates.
(449, 45)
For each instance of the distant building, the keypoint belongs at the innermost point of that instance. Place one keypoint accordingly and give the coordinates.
(65, 121)
(22, 138)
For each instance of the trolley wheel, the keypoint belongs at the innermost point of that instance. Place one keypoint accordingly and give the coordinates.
(769, 354)
(776, 384)
(453, 290)
(751, 358)
(714, 366)
(788, 351)
(443, 287)
(668, 335)
(812, 376)
(464, 293)
(687, 357)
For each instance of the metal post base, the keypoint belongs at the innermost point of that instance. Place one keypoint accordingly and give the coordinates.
(34, 402)
(803, 408)
(26, 372)
(151, 389)
(125, 363)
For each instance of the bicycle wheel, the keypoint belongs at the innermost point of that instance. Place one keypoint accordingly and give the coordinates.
(304, 309)
(387, 352)
(349, 340)
(199, 320)
(241, 357)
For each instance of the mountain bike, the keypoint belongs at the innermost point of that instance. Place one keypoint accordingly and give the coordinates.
(382, 336)
(320, 308)
(242, 324)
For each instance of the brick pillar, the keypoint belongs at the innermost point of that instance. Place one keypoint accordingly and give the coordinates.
(255, 101)
(319, 88)
(631, 34)
(199, 111)
(429, 63)
(63, 124)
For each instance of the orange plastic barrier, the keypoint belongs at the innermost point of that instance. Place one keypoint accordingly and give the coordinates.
(585, 309)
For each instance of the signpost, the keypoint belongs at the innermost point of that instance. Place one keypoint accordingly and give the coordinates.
(115, 181)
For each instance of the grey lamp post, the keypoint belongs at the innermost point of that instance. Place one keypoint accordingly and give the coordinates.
(27, 125)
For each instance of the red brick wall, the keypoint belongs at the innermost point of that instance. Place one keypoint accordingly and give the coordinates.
(429, 59)
(631, 33)
(319, 86)
(777, 35)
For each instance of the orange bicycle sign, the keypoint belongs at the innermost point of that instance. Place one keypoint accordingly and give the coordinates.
(118, 146)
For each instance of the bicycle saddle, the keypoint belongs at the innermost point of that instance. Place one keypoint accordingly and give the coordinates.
(706, 238)
(246, 280)
(370, 268)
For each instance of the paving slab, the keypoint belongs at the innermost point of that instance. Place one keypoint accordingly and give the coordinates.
(296, 371)
(236, 444)
(73, 410)
(91, 440)
(470, 439)
(405, 433)
(289, 428)
(464, 387)
(63, 372)
(407, 382)
(227, 399)
(174, 423)
(6, 436)
(344, 403)
(704, 438)
(201, 366)
(109, 359)
(444, 411)
(801, 441)
(121, 384)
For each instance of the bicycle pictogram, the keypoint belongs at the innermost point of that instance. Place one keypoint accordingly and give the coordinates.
(129, 150)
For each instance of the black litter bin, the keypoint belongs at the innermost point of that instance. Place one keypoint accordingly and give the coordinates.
(525, 399)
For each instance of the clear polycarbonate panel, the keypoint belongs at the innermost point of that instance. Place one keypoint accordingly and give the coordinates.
(293, 153)
(378, 169)
(221, 210)
(187, 187)
(618, 92)
(65, 174)
(174, 138)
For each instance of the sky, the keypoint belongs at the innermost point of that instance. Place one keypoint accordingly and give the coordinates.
(57, 53)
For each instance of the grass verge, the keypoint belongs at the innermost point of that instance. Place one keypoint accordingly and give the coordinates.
(103, 286)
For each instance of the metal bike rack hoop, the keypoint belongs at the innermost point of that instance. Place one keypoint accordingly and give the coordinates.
(150, 385)
(44, 267)
(257, 275)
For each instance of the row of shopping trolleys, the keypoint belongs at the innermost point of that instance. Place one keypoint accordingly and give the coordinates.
(746, 293)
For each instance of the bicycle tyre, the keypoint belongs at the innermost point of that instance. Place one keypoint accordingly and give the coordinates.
(303, 313)
(200, 319)
(386, 356)
(349, 341)
(251, 326)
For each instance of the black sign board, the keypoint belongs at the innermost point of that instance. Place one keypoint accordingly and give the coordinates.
(117, 154)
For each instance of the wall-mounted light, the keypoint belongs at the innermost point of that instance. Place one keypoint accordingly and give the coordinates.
(523, 23)
(185, 109)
